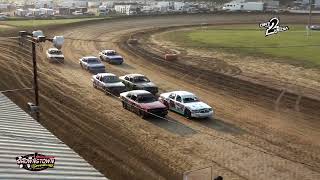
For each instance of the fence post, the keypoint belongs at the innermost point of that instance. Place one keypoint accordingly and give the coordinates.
(278, 99)
(296, 107)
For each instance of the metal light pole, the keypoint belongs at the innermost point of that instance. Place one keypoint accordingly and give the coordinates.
(37, 37)
(34, 108)
(309, 19)
(35, 73)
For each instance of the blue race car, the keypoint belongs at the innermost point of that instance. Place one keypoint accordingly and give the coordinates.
(111, 56)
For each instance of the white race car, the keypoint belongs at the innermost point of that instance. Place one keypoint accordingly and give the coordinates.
(55, 55)
(92, 64)
(108, 82)
(111, 56)
(186, 103)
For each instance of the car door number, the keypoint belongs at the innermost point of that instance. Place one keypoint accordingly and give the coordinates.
(101, 85)
(134, 107)
(171, 104)
(179, 107)
(130, 105)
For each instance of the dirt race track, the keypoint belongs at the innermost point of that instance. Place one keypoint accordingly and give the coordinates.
(244, 141)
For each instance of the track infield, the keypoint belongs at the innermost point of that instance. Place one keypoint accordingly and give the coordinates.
(293, 46)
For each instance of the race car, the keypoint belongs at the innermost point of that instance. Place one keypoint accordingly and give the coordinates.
(111, 56)
(108, 82)
(186, 103)
(55, 55)
(37, 34)
(315, 27)
(143, 103)
(139, 81)
(92, 64)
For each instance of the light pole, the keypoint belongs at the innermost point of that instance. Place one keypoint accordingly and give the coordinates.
(35, 73)
(38, 37)
(309, 19)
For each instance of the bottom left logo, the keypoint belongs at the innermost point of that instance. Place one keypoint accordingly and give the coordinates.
(35, 162)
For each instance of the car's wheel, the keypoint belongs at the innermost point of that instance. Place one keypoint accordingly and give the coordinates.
(166, 104)
(94, 85)
(187, 113)
(124, 105)
(106, 92)
(142, 114)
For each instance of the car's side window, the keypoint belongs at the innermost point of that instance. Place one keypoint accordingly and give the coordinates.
(135, 79)
(172, 96)
(134, 97)
(99, 78)
(131, 79)
(128, 96)
(84, 60)
(178, 98)
(126, 78)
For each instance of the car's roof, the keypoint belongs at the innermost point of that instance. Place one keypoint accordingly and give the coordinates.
(109, 50)
(53, 49)
(106, 74)
(89, 57)
(134, 75)
(138, 92)
(183, 93)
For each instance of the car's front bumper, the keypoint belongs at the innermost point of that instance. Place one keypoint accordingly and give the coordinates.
(152, 90)
(96, 71)
(114, 61)
(58, 60)
(202, 115)
(156, 112)
(116, 90)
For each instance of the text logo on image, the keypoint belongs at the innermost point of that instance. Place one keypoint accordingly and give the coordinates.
(35, 162)
(273, 27)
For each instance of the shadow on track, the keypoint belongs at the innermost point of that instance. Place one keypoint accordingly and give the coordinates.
(172, 126)
(220, 125)
(126, 66)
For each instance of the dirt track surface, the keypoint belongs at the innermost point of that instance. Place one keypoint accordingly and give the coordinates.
(244, 141)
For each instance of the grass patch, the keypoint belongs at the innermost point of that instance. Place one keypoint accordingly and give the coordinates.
(5, 28)
(293, 46)
(46, 22)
